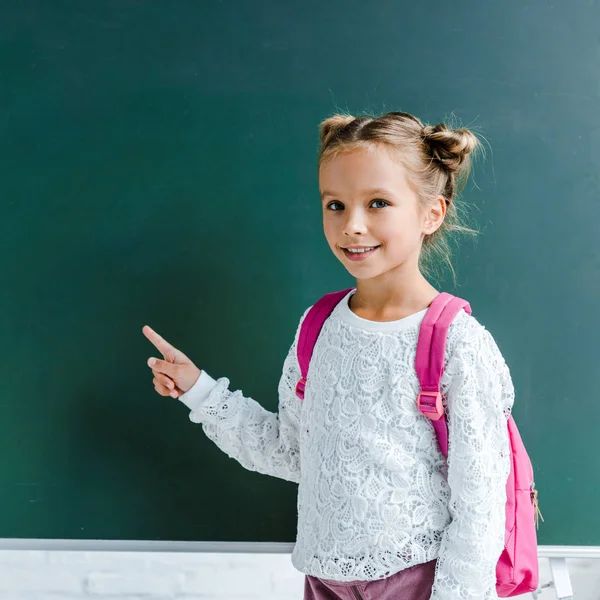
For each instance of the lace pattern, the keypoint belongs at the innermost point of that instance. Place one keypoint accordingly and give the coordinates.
(375, 494)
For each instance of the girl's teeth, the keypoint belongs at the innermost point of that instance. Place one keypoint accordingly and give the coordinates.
(361, 250)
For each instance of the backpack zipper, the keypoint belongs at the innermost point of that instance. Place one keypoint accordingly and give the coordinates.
(536, 506)
(356, 593)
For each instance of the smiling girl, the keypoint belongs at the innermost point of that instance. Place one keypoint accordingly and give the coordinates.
(379, 514)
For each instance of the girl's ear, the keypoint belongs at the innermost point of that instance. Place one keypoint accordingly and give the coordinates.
(434, 215)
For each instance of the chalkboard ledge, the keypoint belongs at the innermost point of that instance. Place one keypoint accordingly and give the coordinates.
(233, 547)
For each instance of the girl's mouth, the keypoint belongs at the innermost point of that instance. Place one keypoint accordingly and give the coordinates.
(359, 254)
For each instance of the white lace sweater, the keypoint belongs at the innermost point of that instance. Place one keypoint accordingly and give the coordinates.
(374, 495)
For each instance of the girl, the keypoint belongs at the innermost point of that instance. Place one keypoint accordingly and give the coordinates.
(379, 516)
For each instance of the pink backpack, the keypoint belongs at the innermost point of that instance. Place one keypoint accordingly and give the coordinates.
(517, 569)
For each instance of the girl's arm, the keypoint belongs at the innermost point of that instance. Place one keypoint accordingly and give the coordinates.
(258, 439)
(480, 396)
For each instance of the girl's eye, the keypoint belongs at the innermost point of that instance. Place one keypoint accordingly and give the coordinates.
(337, 206)
(380, 202)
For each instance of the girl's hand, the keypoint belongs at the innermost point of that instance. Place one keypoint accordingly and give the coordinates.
(177, 373)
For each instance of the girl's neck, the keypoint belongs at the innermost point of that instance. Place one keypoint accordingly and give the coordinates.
(378, 300)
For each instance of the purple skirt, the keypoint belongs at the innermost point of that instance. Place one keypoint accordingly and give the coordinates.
(414, 583)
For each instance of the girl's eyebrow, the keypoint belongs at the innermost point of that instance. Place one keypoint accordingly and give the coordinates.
(373, 192)
(379, 192)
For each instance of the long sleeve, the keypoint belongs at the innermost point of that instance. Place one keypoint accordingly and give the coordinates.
(258, 439)
(479, 395)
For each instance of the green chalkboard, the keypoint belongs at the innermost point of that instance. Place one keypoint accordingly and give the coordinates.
(158, 166)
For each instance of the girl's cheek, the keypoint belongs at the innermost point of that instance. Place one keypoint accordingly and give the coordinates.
(329, 228)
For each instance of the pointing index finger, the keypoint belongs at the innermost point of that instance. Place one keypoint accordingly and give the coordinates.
(159, 342)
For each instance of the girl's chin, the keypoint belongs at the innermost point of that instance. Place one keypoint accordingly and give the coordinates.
(361, 270)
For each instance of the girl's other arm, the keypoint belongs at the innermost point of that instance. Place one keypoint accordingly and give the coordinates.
(480, 395)
(258, 439)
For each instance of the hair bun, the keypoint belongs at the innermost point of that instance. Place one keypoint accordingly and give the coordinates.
(450, 146)
(332, 125)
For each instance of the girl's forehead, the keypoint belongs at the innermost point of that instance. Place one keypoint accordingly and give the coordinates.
(362, 170)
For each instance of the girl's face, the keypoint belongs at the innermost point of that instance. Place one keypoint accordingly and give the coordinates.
(369, 206)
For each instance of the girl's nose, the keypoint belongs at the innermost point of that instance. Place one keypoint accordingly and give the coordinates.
(355, 224)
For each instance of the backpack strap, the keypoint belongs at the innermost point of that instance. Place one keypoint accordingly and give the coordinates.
(429, 364)
(310, 330)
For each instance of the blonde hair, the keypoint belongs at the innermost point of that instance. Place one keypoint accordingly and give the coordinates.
(437, 160)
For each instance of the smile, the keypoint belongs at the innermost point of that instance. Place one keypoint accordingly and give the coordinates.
(358, 254)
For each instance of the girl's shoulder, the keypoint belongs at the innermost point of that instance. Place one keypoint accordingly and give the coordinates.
(468, 334)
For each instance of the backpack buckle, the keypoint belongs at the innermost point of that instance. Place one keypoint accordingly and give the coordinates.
(430, 404)
(300, 387)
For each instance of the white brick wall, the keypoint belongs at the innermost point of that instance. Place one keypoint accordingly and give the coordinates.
(61, 575)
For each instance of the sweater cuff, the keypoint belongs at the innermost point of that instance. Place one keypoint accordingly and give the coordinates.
(199, 392)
